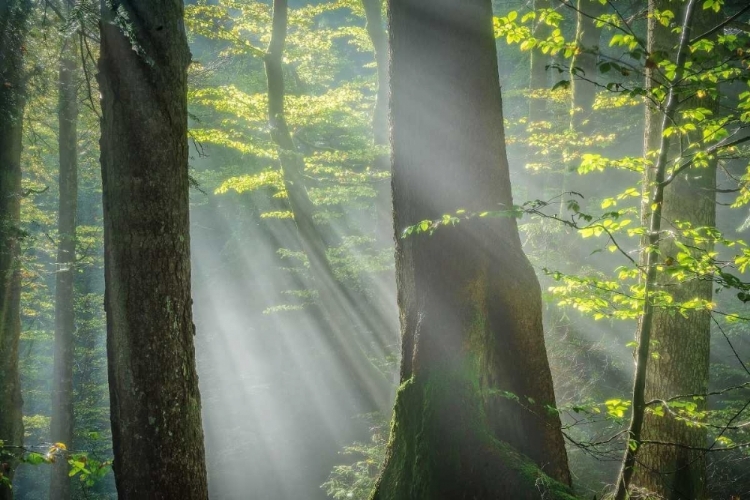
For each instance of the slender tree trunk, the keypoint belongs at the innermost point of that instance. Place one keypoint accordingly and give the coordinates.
(583, 67)
(377, 34)
(373, 387)
(155, 402)
(539, 61)
(382, 304)
(61, 426)
(682, 342)
(378, 37)
(656, 205)
(583, 89)
(13, 28)
(470, 302)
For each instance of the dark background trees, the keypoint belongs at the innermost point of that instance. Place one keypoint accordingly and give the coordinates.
(14, 17)
(62, 421)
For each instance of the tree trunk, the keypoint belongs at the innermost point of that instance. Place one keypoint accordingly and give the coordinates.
(538, 79)
(583, 67)
(657, 188)
(583, 89)
(13, 28)
(372, 385)
(61, 426)
(378, 37)
(470, 302)
(155, 402)
(682, 342)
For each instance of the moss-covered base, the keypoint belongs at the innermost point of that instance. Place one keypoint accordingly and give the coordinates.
(441, 449)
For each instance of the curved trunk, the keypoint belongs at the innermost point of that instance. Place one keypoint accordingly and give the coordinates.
(469, 300)
(155, 403)
(338, 308)
(61, 425)
(13, 28)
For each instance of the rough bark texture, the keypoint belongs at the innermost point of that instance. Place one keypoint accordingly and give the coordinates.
(584, 69)
(338, 309)
(61, 426)
(155, 403)
(683, 343)
(13, 27)
(469, 300)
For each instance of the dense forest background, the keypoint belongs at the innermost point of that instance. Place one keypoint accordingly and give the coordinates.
(294, 291)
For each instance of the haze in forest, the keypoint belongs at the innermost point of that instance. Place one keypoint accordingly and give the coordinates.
(374, 250)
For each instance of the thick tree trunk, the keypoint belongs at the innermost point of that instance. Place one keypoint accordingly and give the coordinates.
(339, 310)
(61, 426)
(155, 403)
(682, 342)
(470, 302)
(13, 28)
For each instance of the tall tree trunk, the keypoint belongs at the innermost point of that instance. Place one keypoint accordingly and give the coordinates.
(583, 76)
(61, 426)
(682, 342)
(338, 309)
(379, 39)
(377, 34)
(14, 16)
(155, 402)
(469, 300)
(539, 61)
(583, 67)
(659, 186)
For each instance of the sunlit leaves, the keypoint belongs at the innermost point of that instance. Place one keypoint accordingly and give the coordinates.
(617, 407)
(663, 17)
(241, 184)
(591, 162)
(624, 39)
(714, 5)
(522, 33)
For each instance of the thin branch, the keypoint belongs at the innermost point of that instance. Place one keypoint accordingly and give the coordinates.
(726, 337)
(721, 25)
(698, 395)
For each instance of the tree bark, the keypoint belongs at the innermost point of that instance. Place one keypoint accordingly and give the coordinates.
(372, 385)
(469, 300)
(62, 422)
(682, 342)
(155, 402)
(14, 16)
(656, 190)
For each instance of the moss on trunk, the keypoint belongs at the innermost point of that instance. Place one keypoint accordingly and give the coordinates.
(442, 448)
